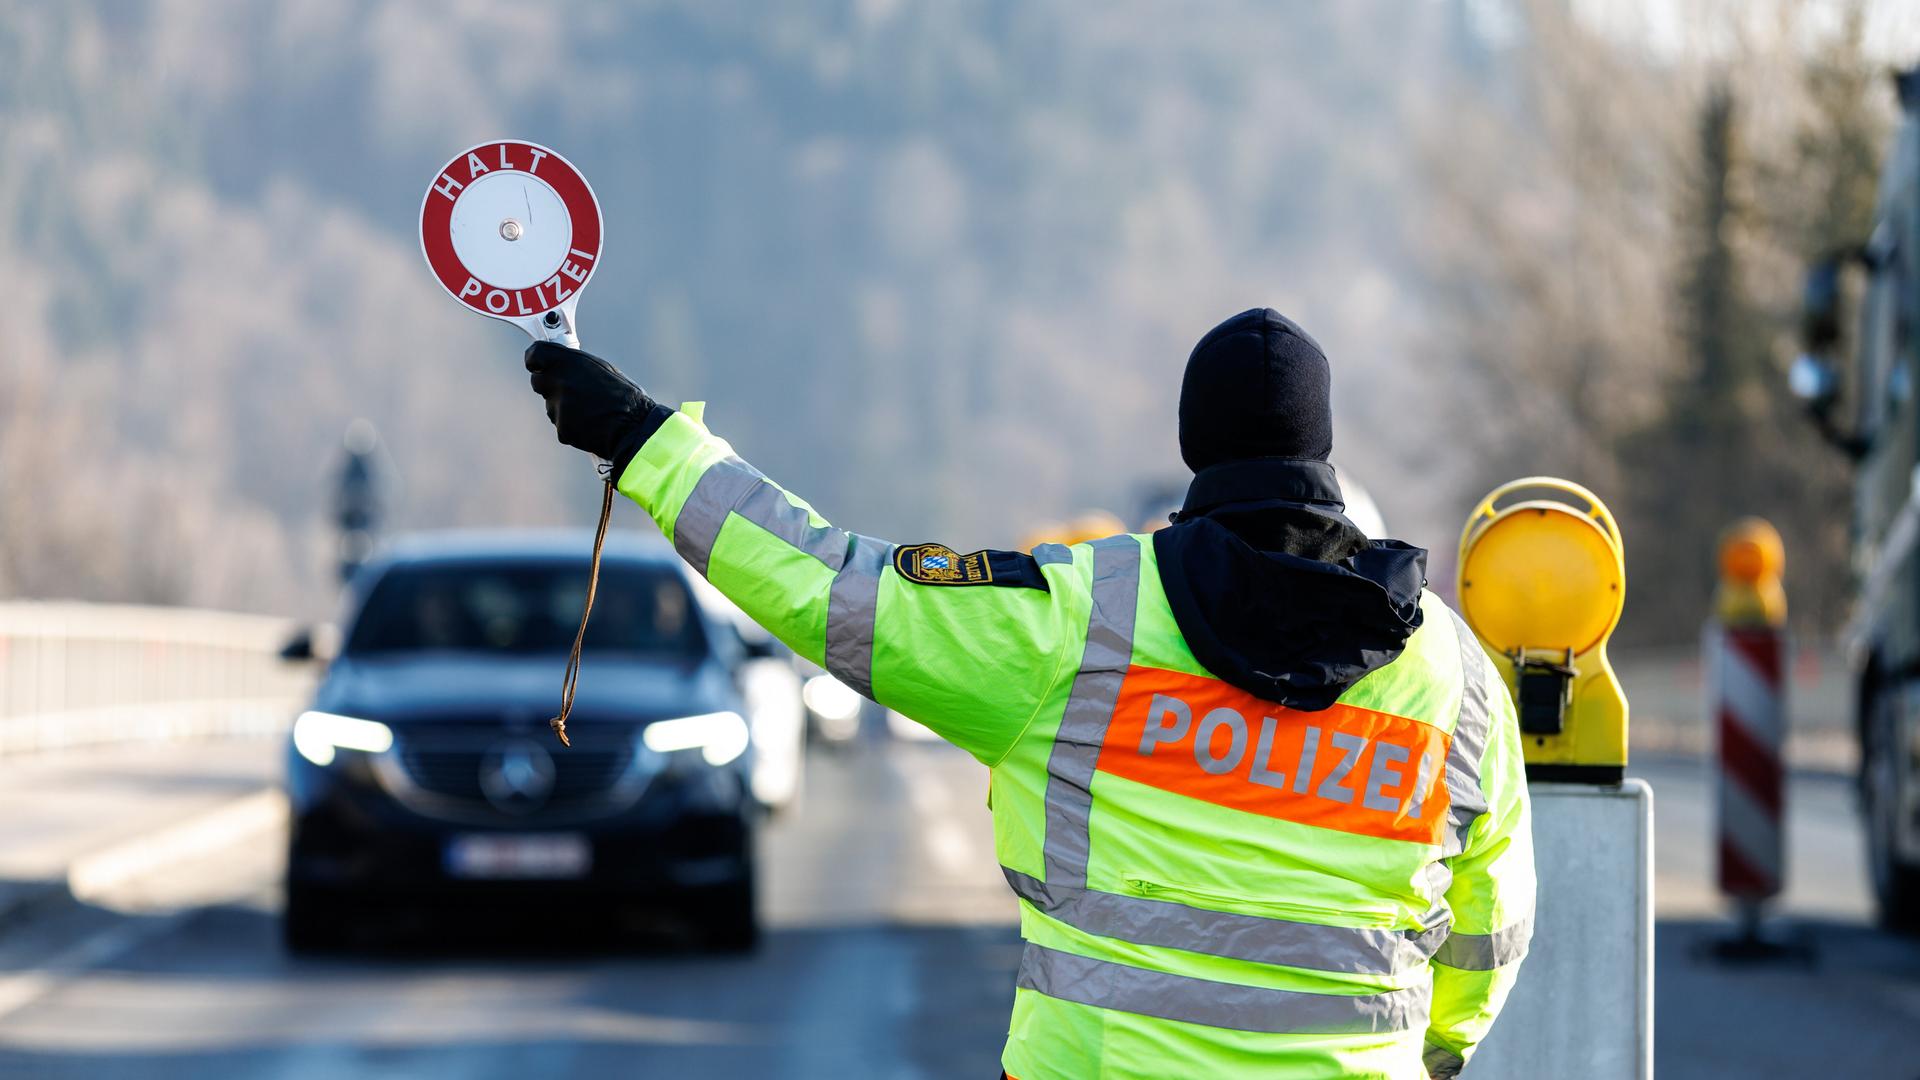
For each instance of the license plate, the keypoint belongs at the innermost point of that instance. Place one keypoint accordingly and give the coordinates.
(519, 856)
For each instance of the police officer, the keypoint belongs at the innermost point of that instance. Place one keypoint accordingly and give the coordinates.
(1259, 792)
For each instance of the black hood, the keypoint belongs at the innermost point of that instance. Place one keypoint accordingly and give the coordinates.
(1276, 592)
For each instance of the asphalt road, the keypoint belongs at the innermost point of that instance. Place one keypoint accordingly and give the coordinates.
(1843, 1000)
(891, 953)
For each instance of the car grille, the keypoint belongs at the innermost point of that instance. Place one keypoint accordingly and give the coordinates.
(440, 774)
(578, 774)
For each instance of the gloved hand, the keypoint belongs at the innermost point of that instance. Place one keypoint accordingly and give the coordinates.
(593, 407)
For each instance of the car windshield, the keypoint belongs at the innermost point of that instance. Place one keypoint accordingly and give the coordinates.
(526, 608)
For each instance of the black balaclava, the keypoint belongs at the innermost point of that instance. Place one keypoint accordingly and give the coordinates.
(1256, 387)
(1274, 591)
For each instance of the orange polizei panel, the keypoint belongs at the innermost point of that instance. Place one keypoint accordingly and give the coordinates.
(1344, 768)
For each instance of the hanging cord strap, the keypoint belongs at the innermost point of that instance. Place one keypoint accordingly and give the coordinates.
(571, 681)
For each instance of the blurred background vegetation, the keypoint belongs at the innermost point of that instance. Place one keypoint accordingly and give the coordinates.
(936, 266)
(1627, 227)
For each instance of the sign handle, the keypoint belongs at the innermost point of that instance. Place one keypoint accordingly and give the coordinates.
(557, 325)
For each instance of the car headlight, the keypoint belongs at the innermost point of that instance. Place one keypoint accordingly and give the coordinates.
(317, 735)
(720, 736)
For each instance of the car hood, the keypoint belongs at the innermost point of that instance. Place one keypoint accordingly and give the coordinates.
(521, 691)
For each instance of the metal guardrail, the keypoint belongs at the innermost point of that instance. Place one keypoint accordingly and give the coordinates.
(74, 674)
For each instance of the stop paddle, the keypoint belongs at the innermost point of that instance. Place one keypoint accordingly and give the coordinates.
(512, 230)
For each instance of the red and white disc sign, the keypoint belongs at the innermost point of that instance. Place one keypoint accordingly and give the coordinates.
(512, 230)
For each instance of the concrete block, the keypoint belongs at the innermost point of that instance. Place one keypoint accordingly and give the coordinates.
(1583, 1005)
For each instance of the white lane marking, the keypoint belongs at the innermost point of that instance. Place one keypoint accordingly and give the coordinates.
(93, 877)
(18, 991)
(329, 1016)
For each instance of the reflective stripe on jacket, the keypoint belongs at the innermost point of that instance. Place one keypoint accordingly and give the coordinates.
(1210, 885)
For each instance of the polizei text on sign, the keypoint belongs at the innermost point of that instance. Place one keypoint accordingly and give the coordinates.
(511, 229)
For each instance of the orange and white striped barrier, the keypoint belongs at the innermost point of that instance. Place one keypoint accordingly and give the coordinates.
(1749, 709)
(1747, 701)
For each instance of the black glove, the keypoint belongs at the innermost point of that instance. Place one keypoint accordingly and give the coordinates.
(593, 407)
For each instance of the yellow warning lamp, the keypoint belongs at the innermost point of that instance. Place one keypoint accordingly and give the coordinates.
(1542, 582)
(1752, 559)
(1092, 525)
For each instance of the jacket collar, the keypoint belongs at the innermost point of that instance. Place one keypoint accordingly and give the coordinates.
(1257, 483)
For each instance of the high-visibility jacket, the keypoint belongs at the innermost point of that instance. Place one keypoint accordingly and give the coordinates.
(1210, 885)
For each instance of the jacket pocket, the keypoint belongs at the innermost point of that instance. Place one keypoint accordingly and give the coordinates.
(1376, 916)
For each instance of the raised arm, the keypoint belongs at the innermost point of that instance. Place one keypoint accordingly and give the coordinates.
(969, 645)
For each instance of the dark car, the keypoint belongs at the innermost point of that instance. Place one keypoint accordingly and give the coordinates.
(425, 772)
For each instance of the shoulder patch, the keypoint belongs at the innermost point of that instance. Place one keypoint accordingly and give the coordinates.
(938, 564)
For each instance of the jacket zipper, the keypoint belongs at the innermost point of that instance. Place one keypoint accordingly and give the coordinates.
(1279, 909)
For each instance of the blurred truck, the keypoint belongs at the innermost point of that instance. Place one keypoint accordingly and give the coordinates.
(1872, 415)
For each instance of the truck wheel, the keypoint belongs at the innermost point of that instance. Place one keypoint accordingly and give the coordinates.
(1896, 882)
